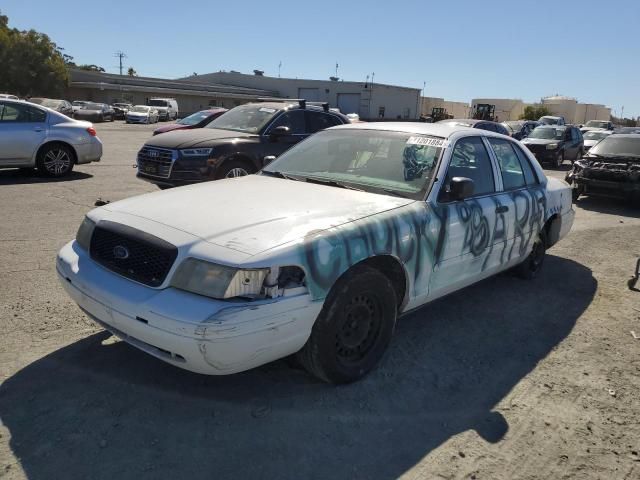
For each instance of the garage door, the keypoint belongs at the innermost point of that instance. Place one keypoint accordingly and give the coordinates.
(310, 94)
(349, 102)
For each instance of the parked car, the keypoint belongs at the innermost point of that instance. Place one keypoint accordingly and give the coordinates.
(61, 106)
(555, 144)
(597, 124)
(520, 129)
(34, 136)
(78, 104)
(142, 114)
(611, 168)
(8, 96)
(552, 120)
(120, 110)
(319, 253)
(591, 137)
(237, 143)
(95, 112)
(196, 120)
(627, 130)
(167, 107)
(481, 124)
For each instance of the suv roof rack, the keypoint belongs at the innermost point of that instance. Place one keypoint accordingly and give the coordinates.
(301, 102)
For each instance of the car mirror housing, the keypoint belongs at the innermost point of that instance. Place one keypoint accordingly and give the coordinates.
(280, 131)
(460, 188)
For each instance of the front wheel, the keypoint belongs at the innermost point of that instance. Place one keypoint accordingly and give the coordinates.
(55, 161)
(530, 268)
(234, 168)
(354, 328)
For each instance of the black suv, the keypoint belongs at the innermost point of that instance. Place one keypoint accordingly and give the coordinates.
(238, 143)
(555, 144)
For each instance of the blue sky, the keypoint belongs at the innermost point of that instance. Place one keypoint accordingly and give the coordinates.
(462, 49)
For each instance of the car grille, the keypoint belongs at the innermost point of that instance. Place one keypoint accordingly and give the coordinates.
(156, 162)
(132, 253)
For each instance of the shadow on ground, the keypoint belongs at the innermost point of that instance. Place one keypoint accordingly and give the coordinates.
(108, 411)
(611, 206)
(25, 176)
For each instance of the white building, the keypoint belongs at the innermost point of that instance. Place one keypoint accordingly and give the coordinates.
(575, 112)
(369, 100)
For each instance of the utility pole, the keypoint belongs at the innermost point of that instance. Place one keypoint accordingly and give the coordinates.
(622, 113)
(279, 67)
(424, 85)
(336, 69)
(120, 54)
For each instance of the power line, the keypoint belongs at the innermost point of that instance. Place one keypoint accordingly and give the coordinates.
(120, 54)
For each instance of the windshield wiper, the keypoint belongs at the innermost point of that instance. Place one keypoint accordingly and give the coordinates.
(396, 193)
(332, 183)
(274, 173)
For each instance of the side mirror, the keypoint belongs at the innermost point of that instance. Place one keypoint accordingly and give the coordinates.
(268, 159)
(460, 188)
(280, 131)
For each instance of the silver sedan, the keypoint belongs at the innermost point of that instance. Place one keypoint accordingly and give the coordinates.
(35, 136)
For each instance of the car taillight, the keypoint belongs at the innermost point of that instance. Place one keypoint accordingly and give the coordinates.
(91, 131)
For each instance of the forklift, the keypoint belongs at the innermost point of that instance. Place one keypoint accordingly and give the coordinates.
(439, 113)
(484, 111)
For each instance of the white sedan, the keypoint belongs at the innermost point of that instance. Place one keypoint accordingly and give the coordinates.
(320, 252)
(35, 136)
(142, 114)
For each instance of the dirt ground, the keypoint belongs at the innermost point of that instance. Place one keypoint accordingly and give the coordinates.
(506, 379)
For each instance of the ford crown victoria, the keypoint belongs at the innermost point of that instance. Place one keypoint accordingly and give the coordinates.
(320, 252)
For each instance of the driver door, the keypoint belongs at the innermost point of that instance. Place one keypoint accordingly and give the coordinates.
(22, 130)
(277, 145)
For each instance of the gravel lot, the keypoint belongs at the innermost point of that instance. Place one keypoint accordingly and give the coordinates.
(505, 380)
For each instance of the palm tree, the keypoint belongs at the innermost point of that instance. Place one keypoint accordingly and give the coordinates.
(131, 72)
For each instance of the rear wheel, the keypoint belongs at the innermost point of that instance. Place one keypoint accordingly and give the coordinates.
(55, 160)
(530, 268)
(354, 328)
(234, 168)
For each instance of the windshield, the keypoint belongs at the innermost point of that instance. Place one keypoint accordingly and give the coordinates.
(547, 133)
(594, 135)
(140, 109)
(194, 119)
(121, 105)
(548, 121)
(618, 146)
(371, 160)
(597, 124)
(245, 118)
(513, 126)
(46, 102)
(92, 106)
(158, 103)
(78, 103)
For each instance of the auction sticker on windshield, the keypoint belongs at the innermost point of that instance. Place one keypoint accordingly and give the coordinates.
(428, 141)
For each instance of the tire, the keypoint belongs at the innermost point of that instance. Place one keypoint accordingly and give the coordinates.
(578, 155)
(164, 187)
(55, 160)
(530, 268)
(234, 168)
(575, 193)
(354, 328)
(559, 160)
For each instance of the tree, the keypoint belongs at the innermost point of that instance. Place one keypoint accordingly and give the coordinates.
(131, 72)
(31, 63)
(91, 68)
(534, 112)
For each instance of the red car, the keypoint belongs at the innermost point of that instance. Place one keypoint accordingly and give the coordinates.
(196, 120)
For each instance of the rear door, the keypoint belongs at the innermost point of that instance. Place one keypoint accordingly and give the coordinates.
(23, 129)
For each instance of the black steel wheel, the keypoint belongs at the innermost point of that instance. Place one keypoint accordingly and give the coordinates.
(530, 268)
(354, 328)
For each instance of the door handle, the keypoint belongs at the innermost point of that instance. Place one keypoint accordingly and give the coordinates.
(502, 209)
(38, 129)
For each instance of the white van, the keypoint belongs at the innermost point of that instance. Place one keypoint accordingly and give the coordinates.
(167, 107)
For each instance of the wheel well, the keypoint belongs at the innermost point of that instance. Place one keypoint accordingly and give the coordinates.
(552, 229)
(241, 159)
(58, 142)
(391, 268)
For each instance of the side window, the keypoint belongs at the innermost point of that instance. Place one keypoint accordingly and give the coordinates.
(510, 168)
(529, 175)
(317, 121)
(293, 119)
(471, 160)
(22, 114)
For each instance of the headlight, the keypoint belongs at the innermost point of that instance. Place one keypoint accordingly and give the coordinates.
(83, 237)
(552, 146)
(218, 281)
(196, 152)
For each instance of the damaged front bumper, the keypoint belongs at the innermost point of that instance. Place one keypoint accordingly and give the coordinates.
(605, 178)
(190, 331)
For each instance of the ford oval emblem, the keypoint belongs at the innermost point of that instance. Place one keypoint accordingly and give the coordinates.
(120, 252)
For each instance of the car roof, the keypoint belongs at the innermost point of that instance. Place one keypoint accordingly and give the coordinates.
(445, 130)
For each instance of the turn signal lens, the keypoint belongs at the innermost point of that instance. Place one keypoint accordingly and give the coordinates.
(91, 131)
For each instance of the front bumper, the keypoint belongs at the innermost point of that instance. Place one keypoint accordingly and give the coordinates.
(604, 188)
(138, 119)
(544, 155)
(89, 152)
(189, 331)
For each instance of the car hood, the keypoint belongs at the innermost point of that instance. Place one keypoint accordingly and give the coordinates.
(138, 114)
(194, 137)
(88, 112)
(255, 213)
(539, 141)
(168, 128)
(590, 143)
